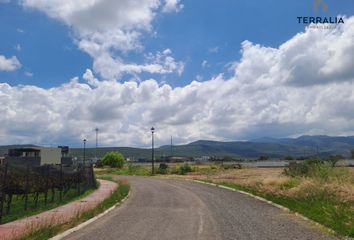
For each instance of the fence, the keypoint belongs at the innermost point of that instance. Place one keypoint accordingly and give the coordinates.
(22, 181)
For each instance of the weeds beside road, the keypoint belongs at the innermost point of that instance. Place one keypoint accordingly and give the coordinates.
(325, 198)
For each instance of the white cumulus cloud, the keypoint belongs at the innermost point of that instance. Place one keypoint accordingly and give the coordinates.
(172, 6)
(304, 86)
(107, 29)
(9, 64)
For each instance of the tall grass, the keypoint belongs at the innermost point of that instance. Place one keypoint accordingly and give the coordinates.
(313, 188)
(318, 205)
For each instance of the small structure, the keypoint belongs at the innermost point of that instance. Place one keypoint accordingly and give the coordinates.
(202, 159)
(65, 159)
(179, 159)
(35, 156)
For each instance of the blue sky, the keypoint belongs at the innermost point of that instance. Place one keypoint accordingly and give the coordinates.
(124, 65)
(203, 30)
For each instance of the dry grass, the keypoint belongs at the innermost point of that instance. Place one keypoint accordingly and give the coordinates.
(340, 183)
(327, 199)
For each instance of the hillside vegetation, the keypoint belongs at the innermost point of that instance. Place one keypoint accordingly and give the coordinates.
(275, 148)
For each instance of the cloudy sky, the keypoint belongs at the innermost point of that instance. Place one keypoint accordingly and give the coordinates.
(194, 69)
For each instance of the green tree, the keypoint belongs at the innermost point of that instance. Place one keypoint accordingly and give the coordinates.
(113, 159)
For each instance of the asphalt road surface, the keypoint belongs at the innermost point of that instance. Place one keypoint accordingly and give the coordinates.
(172, 209)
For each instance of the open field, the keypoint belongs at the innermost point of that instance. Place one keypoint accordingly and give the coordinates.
(272, 180)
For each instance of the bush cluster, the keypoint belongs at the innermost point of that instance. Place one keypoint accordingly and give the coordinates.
(232, 166)
(185, 168)
(113, 159)
(314, 167)
(162, 168)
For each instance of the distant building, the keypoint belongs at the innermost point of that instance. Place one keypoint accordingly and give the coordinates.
(202, 159)
(130, 159)
(179, 159)
(142, 160)
(35, 156)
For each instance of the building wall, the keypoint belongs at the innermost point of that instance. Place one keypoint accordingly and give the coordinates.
(67, 160)
(50, 156)
(23, 161)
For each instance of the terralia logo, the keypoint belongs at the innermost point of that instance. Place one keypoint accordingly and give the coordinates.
(320, 5)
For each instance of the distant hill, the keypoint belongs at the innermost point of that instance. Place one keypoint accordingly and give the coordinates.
(272, 147)
(326, 144)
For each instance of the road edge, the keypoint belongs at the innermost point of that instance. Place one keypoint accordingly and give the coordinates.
(328, 230)
(91, 220)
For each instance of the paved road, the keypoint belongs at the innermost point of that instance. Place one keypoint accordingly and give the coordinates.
(171, 209)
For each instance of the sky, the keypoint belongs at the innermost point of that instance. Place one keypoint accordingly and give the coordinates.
(194, 69)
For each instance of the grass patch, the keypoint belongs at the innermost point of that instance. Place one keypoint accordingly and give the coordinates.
(291, 183)
(50, 231)
(145, 170)
(17, 205)
(129, 170)
(106, 177)
(319, 206)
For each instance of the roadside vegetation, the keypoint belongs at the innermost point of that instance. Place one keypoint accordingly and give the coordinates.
(17, 211)
(312, 188)
(45, 233)
(29, 190)
(113, 159)
(145, 170)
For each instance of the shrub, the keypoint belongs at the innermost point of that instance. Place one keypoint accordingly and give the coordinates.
(288, 158)
(162, 168)
(98, 164)
(185, 168)
(113, 159)
(313, 167)
(213, 167)
(232, 166)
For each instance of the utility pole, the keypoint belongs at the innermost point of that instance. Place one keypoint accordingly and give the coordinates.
(318, 152)
(152, 151)
(171, 147)
(96, 129)
(84, 152)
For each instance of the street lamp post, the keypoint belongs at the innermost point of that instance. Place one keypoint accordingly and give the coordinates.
(84, 152)
(96, 129)
(152, 151)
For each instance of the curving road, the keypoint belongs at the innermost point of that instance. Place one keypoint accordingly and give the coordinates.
(172, 209)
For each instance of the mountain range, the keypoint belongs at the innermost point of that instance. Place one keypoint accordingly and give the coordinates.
(273, 147)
